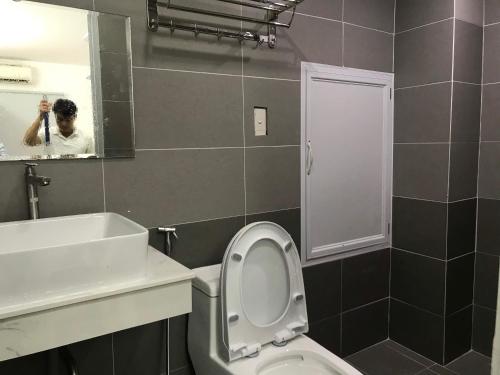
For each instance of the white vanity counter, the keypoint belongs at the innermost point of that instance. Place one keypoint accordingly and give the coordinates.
(163, 292)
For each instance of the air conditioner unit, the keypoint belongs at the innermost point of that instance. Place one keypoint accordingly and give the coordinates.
(15, 73)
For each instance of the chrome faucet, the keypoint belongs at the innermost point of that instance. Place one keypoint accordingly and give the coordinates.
(32, 183)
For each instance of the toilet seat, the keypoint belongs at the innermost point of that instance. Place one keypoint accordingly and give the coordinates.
(262, 290)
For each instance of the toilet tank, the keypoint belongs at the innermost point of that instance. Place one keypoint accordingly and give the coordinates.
(204, 321)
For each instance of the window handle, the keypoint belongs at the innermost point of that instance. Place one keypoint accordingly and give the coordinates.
(310, 159)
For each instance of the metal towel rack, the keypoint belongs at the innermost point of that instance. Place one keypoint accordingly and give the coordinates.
(272, 9)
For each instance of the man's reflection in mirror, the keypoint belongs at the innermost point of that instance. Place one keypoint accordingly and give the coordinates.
(3, 151)
(65, 137)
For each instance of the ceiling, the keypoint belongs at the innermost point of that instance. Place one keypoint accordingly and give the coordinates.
(41, 32)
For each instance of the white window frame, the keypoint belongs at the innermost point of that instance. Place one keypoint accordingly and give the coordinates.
(310, 72)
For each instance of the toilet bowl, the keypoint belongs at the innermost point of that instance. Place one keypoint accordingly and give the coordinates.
(249, 313)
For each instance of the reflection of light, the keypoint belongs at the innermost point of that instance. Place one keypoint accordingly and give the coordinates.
(18, 25)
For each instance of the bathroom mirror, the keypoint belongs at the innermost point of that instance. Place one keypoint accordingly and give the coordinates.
(65, 83)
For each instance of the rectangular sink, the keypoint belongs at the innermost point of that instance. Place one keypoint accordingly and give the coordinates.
(60, 256)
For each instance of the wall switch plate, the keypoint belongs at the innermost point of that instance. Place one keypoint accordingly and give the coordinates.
(260, 121)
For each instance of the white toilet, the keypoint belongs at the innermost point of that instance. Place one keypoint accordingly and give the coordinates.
(249, 314)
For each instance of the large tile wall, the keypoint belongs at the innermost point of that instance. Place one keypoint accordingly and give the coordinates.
(438, 66)
(488, 238)
(199, 167)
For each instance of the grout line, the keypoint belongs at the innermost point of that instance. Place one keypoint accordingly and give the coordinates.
(421, 143)
(489, 24)
(394, 38)
(407, 356)
(229, 217)
(419, 254)
(427, 24)
(216, 74)
(467, 83)
(103, 186)
(419, 308)
(445, 296)
(212, 148)
(244, 134)
(313, 16)
(341, 301)
(369, 28)
(113, 352)
(362, 306)
(489, 83)
(434, 201)
(485, 307)
(343, 34)
(461, 256)
(422, 85)
(368, 348)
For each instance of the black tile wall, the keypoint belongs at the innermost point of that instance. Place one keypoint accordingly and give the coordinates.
(463, 171)
(417, 329)
(418, 281)
(488, 235)
(486, 281)
(483, 330)
(94, 356)
(458, 334)
(326, 332)
(364, 326)
(461, 228)
(420, 226)
(365, 278)
(323, 302)
(459, 283)
(414, 13)
(190, 170)
(489, 174)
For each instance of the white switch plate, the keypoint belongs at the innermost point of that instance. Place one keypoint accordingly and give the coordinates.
(260, 121)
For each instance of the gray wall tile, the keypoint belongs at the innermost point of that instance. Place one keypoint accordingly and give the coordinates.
(463, 171)
(113, 33)
(422, 114)
(468, 52)
(490, 131)
(83, 4)
(470, 11)
(367, 49)
(118, 128)
(177, 110)
(424, 55)
(282, 100)
(376, 14)
(273, 178)
(94, 356)
(176, 186)
(327, 333)
(310, 39)
(115, 76)
(491, 72)
(466, 112)
(491, 11)
(331, 9)
(489, 171)
(76, 188)
(414, 13)
(419, 226)
(421, 171)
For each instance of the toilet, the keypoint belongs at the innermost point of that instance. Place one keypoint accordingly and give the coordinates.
(250, 315)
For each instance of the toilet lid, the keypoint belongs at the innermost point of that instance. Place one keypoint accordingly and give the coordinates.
(262, 290)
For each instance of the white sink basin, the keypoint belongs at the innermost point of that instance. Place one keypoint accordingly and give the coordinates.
(63, 256)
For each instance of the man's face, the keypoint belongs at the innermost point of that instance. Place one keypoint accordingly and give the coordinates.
(65, 123)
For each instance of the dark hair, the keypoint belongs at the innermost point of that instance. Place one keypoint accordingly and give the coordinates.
(65, 108)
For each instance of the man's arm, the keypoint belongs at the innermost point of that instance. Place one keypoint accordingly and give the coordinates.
(31, 137)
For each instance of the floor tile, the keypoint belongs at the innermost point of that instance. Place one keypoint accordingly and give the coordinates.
(382, 360)
(440, 370)
(471, 363)
(409, 353)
